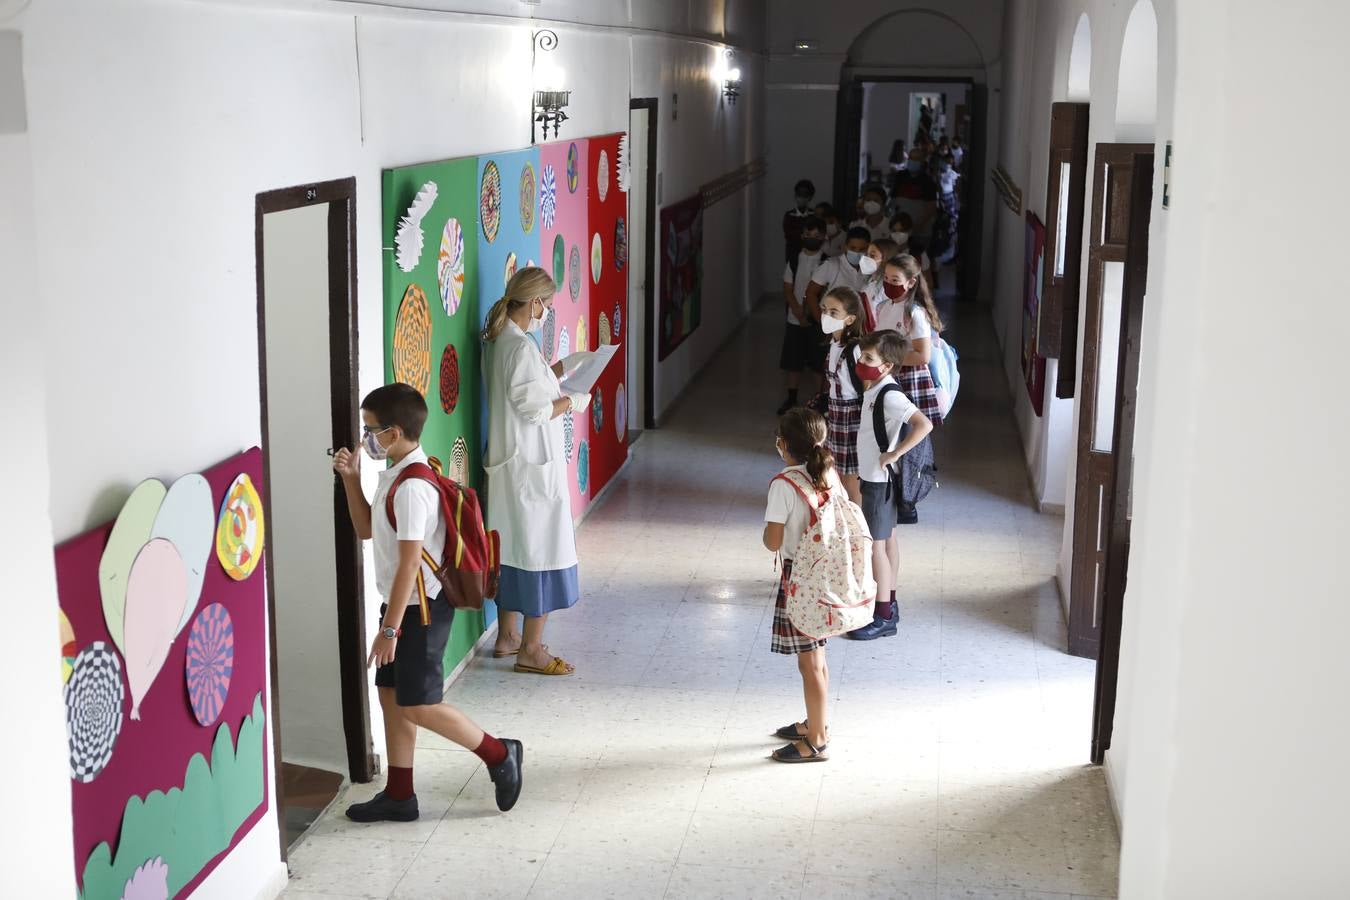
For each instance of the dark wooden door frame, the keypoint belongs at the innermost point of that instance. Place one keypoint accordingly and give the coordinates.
(1122, 449)
(342, 350)
(651, 316)
(1113, 167)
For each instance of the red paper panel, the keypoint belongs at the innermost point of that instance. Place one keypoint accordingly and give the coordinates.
(609, 297)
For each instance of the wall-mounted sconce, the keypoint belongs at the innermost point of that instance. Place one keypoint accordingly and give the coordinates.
(550, 95)
(728, 77)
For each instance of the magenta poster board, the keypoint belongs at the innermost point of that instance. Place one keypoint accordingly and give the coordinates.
(1033, 363)
(166, 787)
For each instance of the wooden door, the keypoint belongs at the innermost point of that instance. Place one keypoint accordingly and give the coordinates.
(1103, 321)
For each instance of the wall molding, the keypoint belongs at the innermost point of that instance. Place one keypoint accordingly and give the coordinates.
(723, 187)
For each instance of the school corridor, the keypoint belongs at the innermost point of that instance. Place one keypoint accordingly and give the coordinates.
(959, 753)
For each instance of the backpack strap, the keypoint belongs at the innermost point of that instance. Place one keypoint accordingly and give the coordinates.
(810, 497)
(422, 472)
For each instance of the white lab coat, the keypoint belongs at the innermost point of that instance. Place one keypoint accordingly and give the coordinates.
(528, 500)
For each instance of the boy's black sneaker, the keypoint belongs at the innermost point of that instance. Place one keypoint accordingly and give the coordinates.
(506, 775)
(383, 808)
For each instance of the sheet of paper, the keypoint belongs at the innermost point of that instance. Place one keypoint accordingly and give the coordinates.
(588, 373)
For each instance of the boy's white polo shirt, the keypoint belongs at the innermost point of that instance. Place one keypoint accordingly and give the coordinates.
(898, 411)
(417, 507)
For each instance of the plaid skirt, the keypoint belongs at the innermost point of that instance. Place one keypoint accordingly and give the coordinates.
(842, 438)
(786, 638)
(917, 383)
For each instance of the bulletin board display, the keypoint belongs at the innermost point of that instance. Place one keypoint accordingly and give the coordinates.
(1033, 363)
(680, 243)
(608, 205)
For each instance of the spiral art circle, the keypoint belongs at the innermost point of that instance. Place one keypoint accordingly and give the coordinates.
(569, 435)
(602, 176)
(559, 262)
(449, 379)
(574, 273)
(548, 197)
(412, 340)
(459, 460)
(450, 267)
(527, 198)
(615, 320)
(598, 412)
(546, 334)
(620, 244)
(573, 169)
(583, 467)
(210, 662)
(604, 336)
(597, 257)
(490, 201)
(94, 699)
(621, 413)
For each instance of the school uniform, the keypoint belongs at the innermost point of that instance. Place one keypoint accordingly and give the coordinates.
(878, 231)
(787, 508)
(416, 674)
(798, 335)
(845, 409)
(834, 244)
(880, 505)
(833, 272)
(911, 321)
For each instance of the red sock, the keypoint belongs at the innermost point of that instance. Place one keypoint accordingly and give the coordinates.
(886, 609)
(491, 751)
(399, 785)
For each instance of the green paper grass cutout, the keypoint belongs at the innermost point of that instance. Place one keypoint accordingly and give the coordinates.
(188, 826)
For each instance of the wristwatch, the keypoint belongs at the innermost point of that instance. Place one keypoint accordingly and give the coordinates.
(390, 634)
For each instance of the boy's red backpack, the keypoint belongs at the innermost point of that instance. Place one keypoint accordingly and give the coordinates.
(471, 564)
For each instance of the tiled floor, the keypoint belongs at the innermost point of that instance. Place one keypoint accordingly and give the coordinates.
(958, 751)
(308, 793)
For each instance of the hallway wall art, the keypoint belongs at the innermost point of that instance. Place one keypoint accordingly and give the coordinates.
(1033, 363)
(681, 247)
(166, 744)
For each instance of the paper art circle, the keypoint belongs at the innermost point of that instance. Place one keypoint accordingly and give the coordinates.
(94, 698)
(574, 274)
(614, 321)
(459, 460)
(129, 534)
(583, 467)
(490, 201)
(449, 379)
(548, 197)
(620, 244)
(546, 334)
(156, 595)
(527, 198)
(569, 435)
(187, 518)
(604, 335)
(559, 262)
(573, 168)
(210, 662)
(510, 268)
(582, 346)
(68, 648)
(450, 266)
(148, 882)
(621, 413)
(412, 340)
(598, 412)
(564, 343)
(239, 530)
(602, 176)
(597, 257)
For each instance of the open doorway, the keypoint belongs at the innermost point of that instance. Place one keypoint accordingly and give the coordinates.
(642, 203)
(306, 275)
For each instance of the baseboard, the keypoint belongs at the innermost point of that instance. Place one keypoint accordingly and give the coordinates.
(277, 881)
(1063, 589)
(666, 414)
(604, 492)
(1112, 789)
(488, 636)
(1046, 507)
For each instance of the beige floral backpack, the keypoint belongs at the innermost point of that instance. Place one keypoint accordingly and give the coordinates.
(831, 589)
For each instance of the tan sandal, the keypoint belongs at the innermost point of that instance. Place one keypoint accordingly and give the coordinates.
(556, 666)
(499, 654)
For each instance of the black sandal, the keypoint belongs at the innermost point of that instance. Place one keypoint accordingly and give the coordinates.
(790, 753)
(790, 732)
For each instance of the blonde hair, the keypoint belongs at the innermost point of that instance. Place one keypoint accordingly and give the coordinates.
(529, 283)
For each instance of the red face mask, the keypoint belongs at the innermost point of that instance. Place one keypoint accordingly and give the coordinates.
(894, 291)
(869, 373)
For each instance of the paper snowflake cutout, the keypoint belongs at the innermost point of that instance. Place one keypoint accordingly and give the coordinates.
(624, 174)
(409, 239)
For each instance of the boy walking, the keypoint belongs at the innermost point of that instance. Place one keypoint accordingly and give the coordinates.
(414, 623)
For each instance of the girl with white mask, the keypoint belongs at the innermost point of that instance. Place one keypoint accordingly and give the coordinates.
(842, 319)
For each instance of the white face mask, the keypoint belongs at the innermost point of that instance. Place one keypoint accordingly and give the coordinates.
(832, 229)
(867, 265)
(830, 325)
(372, 444)
(900, 237)
(536, 325)
(871, 207)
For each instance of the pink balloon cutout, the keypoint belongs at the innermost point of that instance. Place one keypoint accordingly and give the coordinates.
(156, 595)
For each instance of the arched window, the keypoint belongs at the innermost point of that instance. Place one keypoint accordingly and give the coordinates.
(1080, 62)
(1137, 90)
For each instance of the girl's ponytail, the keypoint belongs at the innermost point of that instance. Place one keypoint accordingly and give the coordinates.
(803, 431)
(819, 462)
(496, 318)
(528, 284)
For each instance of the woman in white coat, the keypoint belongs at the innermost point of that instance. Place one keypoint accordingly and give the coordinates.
(527, 496)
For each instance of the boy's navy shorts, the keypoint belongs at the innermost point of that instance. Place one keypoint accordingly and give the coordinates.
(417, 673)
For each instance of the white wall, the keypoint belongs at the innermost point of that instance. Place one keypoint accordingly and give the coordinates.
(300, 426)
(154, 125)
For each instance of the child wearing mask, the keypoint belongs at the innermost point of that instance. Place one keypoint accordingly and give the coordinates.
(837, 271)
(908, 310)
(842, 321)
(870, 265)
(800, 442)
(873, 218)
(798, 331)
(901, 228)
(882, 354)
(916, 194)
(835, 234)
(795, 217)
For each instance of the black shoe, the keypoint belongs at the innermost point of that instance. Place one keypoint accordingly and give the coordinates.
(879, 628)
(506, 775)
(383, 808)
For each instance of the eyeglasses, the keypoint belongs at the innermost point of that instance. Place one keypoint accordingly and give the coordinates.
(375, 429)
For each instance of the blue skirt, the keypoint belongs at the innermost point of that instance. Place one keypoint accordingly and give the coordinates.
(536, 593)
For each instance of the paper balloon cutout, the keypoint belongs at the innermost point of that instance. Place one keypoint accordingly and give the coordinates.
(459, 461)
(573, 168)
(602, 176)
(603, 335)
(597, 257)
(582, 345)
(187, 519)
(150, 882)
(574, 273)
(94, 697)
(210, 662)
(408, 239)
(620, 244)
(68, 648)
(622, 165)
(239, 530)
(621, 413)
(129, 534)
(583, 467)
(156, 594)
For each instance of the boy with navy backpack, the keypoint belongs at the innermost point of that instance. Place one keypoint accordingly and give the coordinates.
(409, 527)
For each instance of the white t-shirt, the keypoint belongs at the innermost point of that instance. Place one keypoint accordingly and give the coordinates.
(834, 246)
(878, 231)
(841, 383)
(947, 180)
(898, 411)
(836, 271)
(892, 315)
(417, 508)
(807, 263)
(787, 508)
